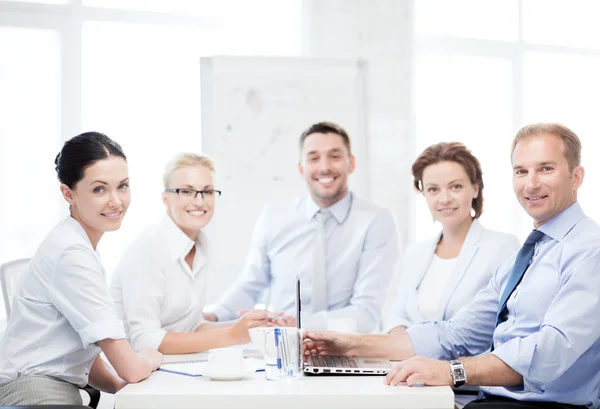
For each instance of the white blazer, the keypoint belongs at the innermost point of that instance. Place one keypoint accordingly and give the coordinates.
(482, 252)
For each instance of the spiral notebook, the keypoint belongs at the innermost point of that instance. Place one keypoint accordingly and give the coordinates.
(196, 367)
(200, 357)
(188, 368)
(185, 359)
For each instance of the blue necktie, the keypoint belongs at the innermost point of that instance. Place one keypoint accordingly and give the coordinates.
(521, 264)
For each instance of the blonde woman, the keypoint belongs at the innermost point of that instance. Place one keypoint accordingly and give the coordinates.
(159, 285)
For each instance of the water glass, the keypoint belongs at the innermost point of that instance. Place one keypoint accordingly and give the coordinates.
(292, 353)
(273, 363)
(283, 353)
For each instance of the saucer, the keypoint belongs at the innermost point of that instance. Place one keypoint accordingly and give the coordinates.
(223, 376)
(216, 375)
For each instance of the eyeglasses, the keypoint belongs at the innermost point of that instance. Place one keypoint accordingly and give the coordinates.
(193, 193)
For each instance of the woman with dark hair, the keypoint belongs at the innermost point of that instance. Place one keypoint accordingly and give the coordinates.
(442, 274)
(62, 315)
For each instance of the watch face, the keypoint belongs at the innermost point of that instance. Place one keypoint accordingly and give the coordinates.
(458, 374)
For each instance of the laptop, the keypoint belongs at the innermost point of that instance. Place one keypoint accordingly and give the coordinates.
(338, 365)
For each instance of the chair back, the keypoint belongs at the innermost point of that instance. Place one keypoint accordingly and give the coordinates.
(9, 274)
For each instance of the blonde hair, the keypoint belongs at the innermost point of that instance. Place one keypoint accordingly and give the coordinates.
(186, 159)
(569, 138)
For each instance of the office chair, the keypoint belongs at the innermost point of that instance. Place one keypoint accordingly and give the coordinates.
(45, 407)
(9, 274)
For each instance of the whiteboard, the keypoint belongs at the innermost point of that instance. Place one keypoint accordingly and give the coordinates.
(254, 110)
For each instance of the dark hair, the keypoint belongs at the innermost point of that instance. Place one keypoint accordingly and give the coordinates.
(82, 151)
(326, 127)
(451, 152)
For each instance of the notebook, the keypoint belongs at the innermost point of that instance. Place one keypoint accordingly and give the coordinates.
(195, 368)
(177, 359)
(249, 352)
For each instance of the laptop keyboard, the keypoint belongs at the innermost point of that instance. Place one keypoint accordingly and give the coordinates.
(332, 361)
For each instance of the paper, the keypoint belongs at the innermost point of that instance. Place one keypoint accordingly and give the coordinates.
(249, 352)
(196, 369)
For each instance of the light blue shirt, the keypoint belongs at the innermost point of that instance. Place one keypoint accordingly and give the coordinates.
(551, 335)
(361, 252)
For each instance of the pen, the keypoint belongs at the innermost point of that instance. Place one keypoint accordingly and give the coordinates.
(278, 346)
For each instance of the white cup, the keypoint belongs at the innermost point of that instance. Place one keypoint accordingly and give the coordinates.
(226, 361)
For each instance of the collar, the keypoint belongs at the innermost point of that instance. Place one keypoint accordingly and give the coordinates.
(561, 224)
(474, 233)
(178, 243)
(339, 210)
(75, 225)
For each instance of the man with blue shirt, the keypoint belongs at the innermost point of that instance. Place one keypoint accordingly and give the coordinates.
(539, 313)
(343, 248)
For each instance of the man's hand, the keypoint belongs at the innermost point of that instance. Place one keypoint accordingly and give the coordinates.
(329, 343)
(153, 356)
(250, 319)
(419, 370)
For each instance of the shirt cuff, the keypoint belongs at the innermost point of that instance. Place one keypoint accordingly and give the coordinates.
(425, 340)
(97, 331)
(223, 313)
(401, 323)
(149, 339)
(519, 355)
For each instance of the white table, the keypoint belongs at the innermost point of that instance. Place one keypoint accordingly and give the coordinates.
(164, 390)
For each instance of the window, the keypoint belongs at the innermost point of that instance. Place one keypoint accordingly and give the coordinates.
(489, 20)
(30, 129)
(485, 69)
(565, 88)
(130, 69)
(563, 23)
(469, 101)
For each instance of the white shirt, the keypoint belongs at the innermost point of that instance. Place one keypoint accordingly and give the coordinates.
(154, 289)
(361, 251)
(431, 288)
(61, 308)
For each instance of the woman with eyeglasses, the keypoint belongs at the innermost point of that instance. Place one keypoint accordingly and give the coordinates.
(62, 315)
(159, 286)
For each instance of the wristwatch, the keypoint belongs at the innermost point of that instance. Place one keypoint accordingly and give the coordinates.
(457, 370)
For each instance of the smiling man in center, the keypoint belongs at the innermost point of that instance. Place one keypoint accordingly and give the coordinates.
(343, 248)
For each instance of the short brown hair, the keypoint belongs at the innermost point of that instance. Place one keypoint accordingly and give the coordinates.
(569, 138)
(451, 152)
(326, 127)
